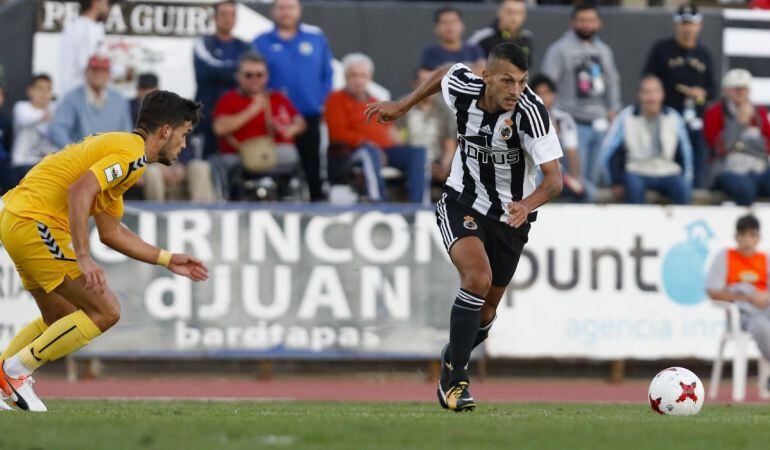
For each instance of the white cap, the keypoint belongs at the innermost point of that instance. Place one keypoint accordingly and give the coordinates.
(737, 78)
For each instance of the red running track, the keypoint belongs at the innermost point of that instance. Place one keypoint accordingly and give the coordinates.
(350, 390)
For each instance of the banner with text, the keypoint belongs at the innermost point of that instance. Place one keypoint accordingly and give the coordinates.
(599, 282)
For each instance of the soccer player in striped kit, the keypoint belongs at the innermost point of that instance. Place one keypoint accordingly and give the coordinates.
(490, 198)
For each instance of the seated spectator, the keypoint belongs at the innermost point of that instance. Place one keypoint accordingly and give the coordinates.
(647, 148)
(432, 126)
(740, 275)
(6, 180)
(91, 108)
(146, 83)
(739, 136)
(30, 127)
(576, 188)
(449, 28)
(372, 144)
(248, 117)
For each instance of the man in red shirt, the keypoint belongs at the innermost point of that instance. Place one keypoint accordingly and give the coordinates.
(251, 111)
(738, 133)
(372, 144)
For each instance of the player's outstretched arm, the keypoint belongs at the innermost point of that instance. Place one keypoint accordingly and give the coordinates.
(118, 237)
(546, 191)
(390, 111)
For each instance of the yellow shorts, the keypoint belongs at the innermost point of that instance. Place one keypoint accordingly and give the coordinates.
(43, 256)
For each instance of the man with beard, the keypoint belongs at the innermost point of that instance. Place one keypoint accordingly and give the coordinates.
(44, 229)
(80, 40)
(587, 82)
(504, 133)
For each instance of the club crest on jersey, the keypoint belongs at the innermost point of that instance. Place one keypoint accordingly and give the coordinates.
(506, 130)
(470, 223)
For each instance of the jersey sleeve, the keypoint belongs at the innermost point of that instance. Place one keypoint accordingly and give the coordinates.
(115, 209)
(538, 135)
(113, 168)
(460, 82)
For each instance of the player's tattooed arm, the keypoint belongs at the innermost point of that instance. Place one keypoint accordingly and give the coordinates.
(80, 197)
(390, 111)
(546, 191)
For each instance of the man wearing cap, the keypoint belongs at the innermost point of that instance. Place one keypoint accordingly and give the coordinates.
(91, 108)
(685, 68)
(738, 133)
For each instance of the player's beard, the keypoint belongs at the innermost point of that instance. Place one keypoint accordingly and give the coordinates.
(164, 151)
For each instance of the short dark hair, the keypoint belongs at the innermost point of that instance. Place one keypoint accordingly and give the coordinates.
(39, 77)
(85, 5)
(584, 6)
(218, 5)
(539, 79)
(511, 53)
(251, 57)
(443, 10)
(747, 223)
(147, 80)
(166, 108)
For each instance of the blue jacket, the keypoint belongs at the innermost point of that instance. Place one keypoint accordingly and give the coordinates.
(215, 65)
(301, 67)
(75, 118)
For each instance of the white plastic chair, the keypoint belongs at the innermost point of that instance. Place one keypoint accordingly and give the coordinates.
(741, 341)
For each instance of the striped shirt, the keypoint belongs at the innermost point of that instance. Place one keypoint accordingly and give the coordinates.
(497, 153)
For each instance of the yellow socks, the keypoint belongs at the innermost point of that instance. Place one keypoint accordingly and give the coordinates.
(24, 337)
(62, 338)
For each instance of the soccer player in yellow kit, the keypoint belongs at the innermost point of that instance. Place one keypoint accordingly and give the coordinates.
(44, 229)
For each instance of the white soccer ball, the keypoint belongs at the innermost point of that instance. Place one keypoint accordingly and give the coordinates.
(676, 391)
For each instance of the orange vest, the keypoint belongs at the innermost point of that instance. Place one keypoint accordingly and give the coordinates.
(747, 269)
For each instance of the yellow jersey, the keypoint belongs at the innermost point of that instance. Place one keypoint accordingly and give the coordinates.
(116, 159)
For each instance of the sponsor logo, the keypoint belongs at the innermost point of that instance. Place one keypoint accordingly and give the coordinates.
(113, 172)
(485, 154)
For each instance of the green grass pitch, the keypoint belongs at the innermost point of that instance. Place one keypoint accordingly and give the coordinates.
(85, 425)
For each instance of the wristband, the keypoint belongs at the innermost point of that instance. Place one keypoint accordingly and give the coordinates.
(164, 258)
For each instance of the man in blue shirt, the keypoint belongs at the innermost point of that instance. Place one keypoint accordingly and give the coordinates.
(449, 28)
(300, 64)
(216, 61)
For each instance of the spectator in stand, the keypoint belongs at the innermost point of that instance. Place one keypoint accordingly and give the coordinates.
(92, 108)
(6, 181)
(30, 125)
(511, 15)
(81, 39)
(575, 187)
(252, 111)
(647, 148)
(373, 144)
(300, 63)
(145, 83)
(432, 126)
(738, 133)
(583, 67)
(449, 27)
(685, 67)
(215, 59)
(740, 275)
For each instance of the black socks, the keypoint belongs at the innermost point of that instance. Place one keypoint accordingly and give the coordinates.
(464, 323)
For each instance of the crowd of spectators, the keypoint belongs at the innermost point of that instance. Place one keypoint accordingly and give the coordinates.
(267, 102)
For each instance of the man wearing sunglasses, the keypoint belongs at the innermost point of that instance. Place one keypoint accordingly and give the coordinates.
(252, 111)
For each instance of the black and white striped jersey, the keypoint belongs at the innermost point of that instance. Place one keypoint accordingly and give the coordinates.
(497, 153)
